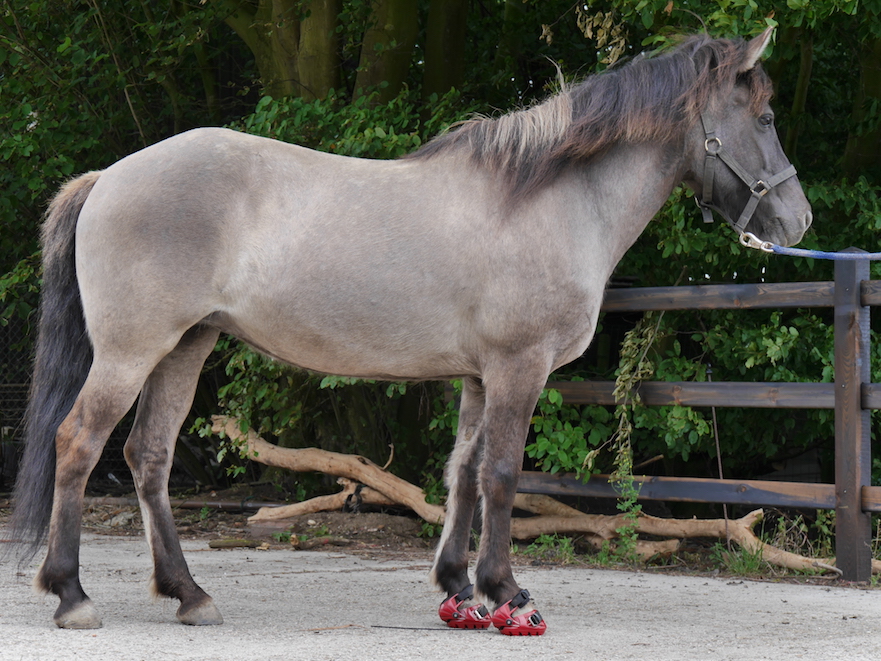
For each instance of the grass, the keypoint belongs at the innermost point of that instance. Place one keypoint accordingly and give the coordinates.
(810, 536)
(284, 537)
(558, 549)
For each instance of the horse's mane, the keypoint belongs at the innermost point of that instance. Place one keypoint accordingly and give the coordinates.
(651, 98)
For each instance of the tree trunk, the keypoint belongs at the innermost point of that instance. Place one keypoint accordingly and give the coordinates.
(511, 41)
(294, 57)
(864, 149)
(319, 53)
(209, 83)
(388, 48)
(445, 46)
(806, 63)
(272, 33)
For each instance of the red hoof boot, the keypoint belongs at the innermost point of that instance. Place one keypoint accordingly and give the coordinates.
(470, 617)
(527, 624)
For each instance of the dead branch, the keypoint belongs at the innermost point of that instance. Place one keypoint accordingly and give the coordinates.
(552, 516)
(323, 503)
(545, 505)
(333, 463)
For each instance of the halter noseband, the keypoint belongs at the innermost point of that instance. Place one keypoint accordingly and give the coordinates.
(757, 187)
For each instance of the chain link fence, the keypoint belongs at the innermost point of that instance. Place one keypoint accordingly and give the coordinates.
(15, 367)
(111, 476)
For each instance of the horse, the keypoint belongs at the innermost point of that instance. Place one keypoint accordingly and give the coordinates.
(483, 256)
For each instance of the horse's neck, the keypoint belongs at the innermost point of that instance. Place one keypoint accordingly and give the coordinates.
(612, 199)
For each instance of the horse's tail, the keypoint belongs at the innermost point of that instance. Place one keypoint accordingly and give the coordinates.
(62, 361)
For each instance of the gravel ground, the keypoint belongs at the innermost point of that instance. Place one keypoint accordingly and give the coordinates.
(318, 605)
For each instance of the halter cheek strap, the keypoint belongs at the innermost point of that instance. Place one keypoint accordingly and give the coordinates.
(758, 188)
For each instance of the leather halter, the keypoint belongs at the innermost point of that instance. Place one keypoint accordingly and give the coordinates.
(757, 187)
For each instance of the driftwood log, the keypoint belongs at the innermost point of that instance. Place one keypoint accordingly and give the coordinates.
(335, 501)
(332, 463)
(383, 488)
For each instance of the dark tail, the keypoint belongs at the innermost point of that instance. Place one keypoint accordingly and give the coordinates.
(62, 362)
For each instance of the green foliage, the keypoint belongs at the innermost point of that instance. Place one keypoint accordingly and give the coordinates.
(430, 530)
(361, 128)
(557, 549)
(739, 560)
(85, 84)
(567, 437)
(439, 437)
(623, 550)
(814, 539)
(317, 531)
(794, 534)
(283, 537)
(19, 289)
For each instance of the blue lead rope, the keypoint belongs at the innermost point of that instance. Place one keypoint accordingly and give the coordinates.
(750, 240)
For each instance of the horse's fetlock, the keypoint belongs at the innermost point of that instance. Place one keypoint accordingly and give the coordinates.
(450, 576)
(42, 583)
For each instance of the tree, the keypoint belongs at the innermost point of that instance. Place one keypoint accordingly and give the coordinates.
(295, 47)
(84, 83)
(445, 46)
(387, 49)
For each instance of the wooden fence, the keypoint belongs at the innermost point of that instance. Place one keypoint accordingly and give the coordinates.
(852, 396)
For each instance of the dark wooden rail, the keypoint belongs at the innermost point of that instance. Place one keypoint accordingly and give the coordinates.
(852, 396)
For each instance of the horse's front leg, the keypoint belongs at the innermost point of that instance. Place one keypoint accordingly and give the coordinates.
(450, 571)
(511, 395)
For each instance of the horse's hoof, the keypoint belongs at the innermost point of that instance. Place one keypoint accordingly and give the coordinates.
(83, 616)
(510, 623)
(204, 614)
(470, 617)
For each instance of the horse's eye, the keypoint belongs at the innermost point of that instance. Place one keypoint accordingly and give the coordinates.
(766, 120)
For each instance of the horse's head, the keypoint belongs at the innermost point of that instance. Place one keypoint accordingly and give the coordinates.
(736, 164)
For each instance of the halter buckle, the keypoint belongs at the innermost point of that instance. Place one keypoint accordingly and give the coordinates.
(759, 189)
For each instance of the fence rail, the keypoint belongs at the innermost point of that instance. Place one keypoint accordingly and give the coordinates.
(852, 397)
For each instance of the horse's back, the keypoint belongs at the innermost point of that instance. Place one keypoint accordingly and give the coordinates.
(321, 260)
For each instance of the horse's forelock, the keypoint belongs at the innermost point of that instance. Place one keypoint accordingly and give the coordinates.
(717, 64)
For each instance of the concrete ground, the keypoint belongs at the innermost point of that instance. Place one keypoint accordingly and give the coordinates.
(283, 604)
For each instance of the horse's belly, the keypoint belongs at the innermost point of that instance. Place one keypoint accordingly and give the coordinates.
(352, 347)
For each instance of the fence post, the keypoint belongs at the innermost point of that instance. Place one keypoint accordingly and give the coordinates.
(853, 534)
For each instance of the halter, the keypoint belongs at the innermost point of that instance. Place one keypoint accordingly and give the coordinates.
(757, 187)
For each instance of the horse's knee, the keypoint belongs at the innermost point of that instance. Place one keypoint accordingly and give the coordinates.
(498, 483)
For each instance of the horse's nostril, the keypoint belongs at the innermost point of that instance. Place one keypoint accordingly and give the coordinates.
(808, 219)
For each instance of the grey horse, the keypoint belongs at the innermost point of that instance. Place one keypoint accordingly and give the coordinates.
(483, 256)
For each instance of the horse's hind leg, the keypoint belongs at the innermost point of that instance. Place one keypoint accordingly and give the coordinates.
(109, 391)
(163, 406)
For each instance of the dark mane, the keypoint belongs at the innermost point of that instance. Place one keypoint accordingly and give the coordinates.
(652, 98)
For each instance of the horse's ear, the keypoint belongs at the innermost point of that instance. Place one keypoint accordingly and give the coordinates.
(755, 48)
